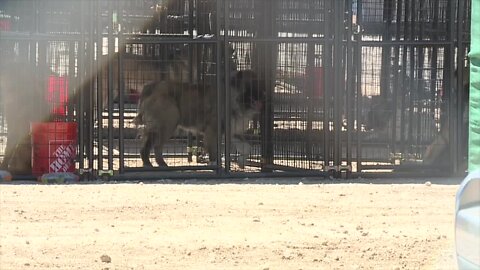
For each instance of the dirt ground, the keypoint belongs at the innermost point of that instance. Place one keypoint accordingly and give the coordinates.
(227, 226)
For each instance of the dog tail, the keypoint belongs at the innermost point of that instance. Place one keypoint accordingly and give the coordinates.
(138, 120)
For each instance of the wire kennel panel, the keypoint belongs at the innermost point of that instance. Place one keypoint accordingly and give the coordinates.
(248, 55)
(408, 62)
(299, 112)
(285, 42)
(405, 19)
(404, 116)
(39, 48)
(186, 148)
(161, 39)
(324, 65)
(52, 16)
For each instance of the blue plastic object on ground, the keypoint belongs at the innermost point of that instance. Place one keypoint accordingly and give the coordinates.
(59, 178)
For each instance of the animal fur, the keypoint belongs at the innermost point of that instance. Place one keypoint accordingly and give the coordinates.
(165, 106)
(379, 121)
(22, 88)
(138, 70)
(437, 152)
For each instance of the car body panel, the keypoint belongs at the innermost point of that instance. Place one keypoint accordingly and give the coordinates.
(467, 222)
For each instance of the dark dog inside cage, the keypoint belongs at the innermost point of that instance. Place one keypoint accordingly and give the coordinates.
(380, 113)
(22, 89)
(380, 120)
(165, 106)
(437, 152)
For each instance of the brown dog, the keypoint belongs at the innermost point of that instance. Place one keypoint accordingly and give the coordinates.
(22, 88)
(166, 105)
(437, 152)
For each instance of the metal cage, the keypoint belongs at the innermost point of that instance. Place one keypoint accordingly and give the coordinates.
(351, 86)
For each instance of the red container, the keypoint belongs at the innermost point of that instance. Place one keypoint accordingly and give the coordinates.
(317, 73)
(54, 147)
(5, 24)
(57, 95)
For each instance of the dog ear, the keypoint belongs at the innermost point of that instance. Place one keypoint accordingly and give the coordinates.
(236, 78)
(175, 53)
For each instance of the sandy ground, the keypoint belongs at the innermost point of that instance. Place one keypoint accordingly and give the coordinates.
(227, 226)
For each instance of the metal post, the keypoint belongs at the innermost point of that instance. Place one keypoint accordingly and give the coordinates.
(396, 89)
(433, 74)
(450, 86)
(403, 90)
(227, 116)
(386, 53)
(328, 86)
(81, 76)
(191, 49)
(121, 90)
(457, 155)
(88, 85)
(266, 70)
(74, 86)
(338, 84)
(100, 73)
(358, 60)
(411, 81)
(350, 89)
(310, 91)
(219, 81)
(386, 92)
(111, 52)
(93, 22)
(190, 18)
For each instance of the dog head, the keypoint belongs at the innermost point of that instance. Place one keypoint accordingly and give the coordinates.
(379, 113)
(182, 64)
(250, 91)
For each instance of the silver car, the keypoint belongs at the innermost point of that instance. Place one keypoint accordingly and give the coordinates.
(467, 222)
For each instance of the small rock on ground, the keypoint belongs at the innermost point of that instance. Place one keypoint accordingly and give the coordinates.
(106, 258)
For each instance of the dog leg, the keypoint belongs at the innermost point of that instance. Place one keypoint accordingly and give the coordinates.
(158, 148)
(435, 151)
(13, 137)
(6, 159)
(21, 160)
(148, 138)
(159, 156)
(165, 132)
(243, 148)
(210, 139)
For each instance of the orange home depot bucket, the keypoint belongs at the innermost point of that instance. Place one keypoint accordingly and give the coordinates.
(54, 147)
